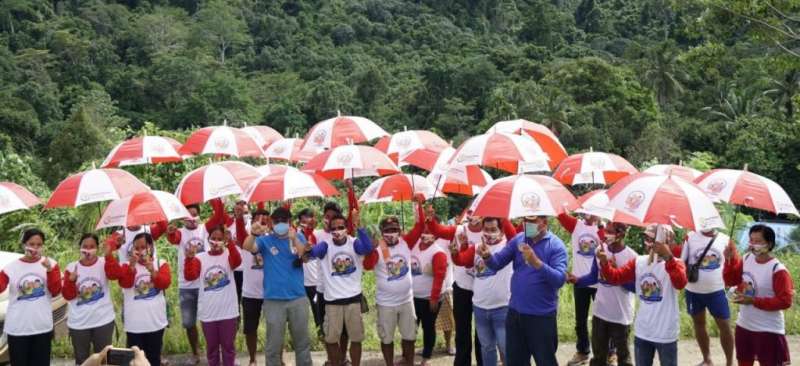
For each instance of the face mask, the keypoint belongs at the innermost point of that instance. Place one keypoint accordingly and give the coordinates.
(391, 238)
(216, 243)
(143, 254)
(492, 238)
(33, 252)
(339, 234)
(427, 238)
(758, 248)
(88, 253)
(611, 238)
(531, 229)
(281, 229)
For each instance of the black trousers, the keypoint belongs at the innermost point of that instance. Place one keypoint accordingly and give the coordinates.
(607, 335)
(238, 277)
(30, 350)
(315, 300)
(583, 299)
(151, 343)
(531, 335)
(462, 313)
(428, 320)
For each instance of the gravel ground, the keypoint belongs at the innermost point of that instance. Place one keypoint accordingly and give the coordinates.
(688, 355)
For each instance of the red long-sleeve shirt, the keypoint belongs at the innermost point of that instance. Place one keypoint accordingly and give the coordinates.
(448, 232)
(53, 279)
(627, 273)
(156, 230)
(192, 266)
(219, 217)
(569, 222)
(439, 263)
(126, 274)
(781, 284)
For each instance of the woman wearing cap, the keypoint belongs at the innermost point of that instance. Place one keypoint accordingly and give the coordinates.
(91, 313)
(32, 281)
(763, 290)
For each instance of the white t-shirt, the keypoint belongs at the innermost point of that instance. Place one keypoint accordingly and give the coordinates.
(463, 276)
(29, 311)
(393, 276)
(658, 319)
(144, 307)
(217, 296)
(584, 244)
(710, 274)
(492, 289)
(757, 282)
(615, 303)
(422, 269)
(341, 270)
(252, 275)
(197, 238)
(92, 307)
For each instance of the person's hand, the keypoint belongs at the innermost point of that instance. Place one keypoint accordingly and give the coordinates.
(256, 229)
(462, 238)
(149, 264)
(453, 247)
(730, 250)
(73, 276)
(530, 256)
(434, 306)
(349, 183)
(355, 218)
(97, 359)
(171, 229)
(663, 250)
(120, 241)
(430, 212)
(190, 251)
(483, 251)
(602, 256)
(742, 299)
(133, 259)
(292, 233)
(47, 264)
(571, 278)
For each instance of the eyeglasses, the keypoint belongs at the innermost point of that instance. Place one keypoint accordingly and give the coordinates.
(337, 228)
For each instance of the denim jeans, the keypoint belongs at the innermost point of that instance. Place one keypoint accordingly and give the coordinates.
(491, 326)
(645, 352)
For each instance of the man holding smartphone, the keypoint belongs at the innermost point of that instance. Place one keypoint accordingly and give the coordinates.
(540, 269)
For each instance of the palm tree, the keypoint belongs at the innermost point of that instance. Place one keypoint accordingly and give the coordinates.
(784, 91)
(735, 103)
(663, 74)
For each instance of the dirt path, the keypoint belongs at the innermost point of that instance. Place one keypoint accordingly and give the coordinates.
(688, 355)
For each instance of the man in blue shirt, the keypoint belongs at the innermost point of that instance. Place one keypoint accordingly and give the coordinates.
(540, 266)
(284, 295)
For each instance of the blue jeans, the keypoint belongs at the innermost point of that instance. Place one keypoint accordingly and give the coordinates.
(645, 352)
(531, 335)
(491, 327)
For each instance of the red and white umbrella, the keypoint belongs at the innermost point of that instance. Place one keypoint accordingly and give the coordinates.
(429, 160)
(342, 130)
(141, 209)
(268, 169)
(523, 195)
(15, 197)
(351, 161)
(398, 187)
(263, 135)
(744, 188)
(222, 140)
(660, 199)
(289, 149)
(215, 181)
(400, 144)
(286, 184)
(593, 168)
(143, 150)
(546, 139)
(680, 171)
(95, 185)
(512, 153)
(464, 180)
(596, 203)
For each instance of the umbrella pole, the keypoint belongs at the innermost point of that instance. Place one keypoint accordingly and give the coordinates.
(733, 224)
(435, 188)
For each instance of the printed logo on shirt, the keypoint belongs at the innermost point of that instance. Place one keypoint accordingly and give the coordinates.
(587, 243)
(481, 270)
(711, 261)
(258, 262)
(197, 244)
(343, 264)
(650, 289)
(90, 290)
(31, 287)
(143, 288)
(415, 269)
(397, 267)
(748, 285)
(215, 278)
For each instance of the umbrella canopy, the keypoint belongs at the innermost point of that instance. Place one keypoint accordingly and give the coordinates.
(464, 180)
(429, 160)
(142, 208)
(512, 153)
(523, 195)
(680, 171)
(398, 187)
(95, 185)
(15, 197)
(222, 140)
(546, 139)
(341, 130)
(596, 203)
(399, 145)
(351, 161)
(143, 150)
(215, 181)
(659, 199)
(286, 184)
(262, 135)
(288, 149)
(744, 188)
(593, 168)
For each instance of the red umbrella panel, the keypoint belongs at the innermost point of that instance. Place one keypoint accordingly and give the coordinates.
(15, 197)
(96, 185)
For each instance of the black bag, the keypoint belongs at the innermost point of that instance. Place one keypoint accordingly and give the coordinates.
(693, 270)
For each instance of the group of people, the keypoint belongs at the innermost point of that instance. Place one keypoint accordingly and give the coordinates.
(505, 277)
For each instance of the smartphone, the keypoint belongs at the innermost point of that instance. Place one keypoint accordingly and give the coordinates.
(119, 356)
(661, 234)
(530, 230)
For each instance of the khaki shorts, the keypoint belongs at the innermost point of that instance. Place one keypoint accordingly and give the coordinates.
(337, 317)
(393, 317)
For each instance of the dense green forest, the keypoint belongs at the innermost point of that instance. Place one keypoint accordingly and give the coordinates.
(649, 79)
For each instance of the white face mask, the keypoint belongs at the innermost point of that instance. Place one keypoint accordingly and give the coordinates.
(759, 248)
(492, 237)
(88, 253)
(427, 239)
(33, 252)
(611, 238)
(339, 234)
(391, 238)
(216, 244)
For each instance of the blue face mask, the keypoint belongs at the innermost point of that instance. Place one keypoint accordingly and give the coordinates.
(281, 229)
